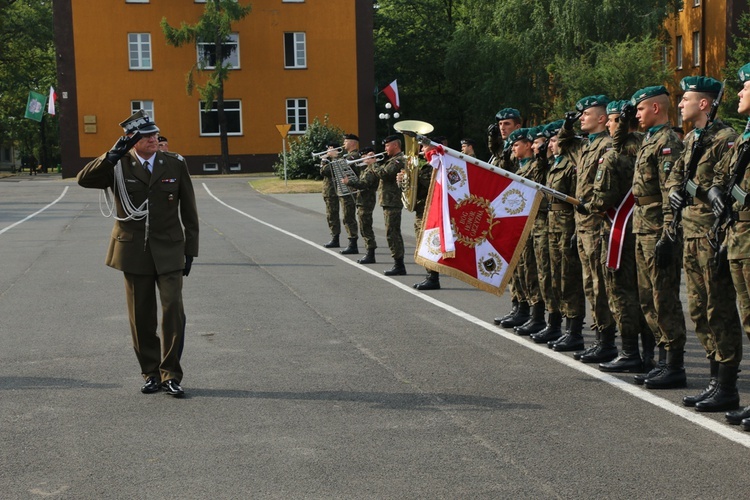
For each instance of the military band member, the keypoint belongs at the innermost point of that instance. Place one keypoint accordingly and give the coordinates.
(154, 250)
(656, 255)
(711, 297)
(390, 200)
(564, 263)
(348, 203)
(467, 147)
(586, 154)
(367, 184)
(163, 144)
(330, 196)
(733, 167)
(612, 183)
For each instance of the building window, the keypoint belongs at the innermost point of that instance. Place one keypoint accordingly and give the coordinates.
(147, 106)
(210, 167)
(295, 51)
(678, 52)
(696, 48)
(137, 1)
(235, 166)
(210, 119)
(230, 53)
(298, 1)
(696, 3)
(296, 115)
(139, 47)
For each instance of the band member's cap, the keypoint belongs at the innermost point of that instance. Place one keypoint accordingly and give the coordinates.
(162, 139)
(366, 150)
(141, 122)
(351, 137)
(391, 138)
(469, 142)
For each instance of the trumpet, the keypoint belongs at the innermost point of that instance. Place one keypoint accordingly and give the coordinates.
(362, 162)
(327, 151)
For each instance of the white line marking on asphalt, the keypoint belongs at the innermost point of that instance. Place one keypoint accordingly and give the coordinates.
(724, 430)
(35, 213)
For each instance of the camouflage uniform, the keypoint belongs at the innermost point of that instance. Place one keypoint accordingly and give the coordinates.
(565, 263)
(586, 155)
(711, 297)
(527, 271)
(540, 235)
(367, 184)
(658, 289)
(390, 200)
(332, 201)
(612, 182)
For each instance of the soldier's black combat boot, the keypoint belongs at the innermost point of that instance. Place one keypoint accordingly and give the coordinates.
(629, 359)
(431, 282)
(513, 310)
(574, 340)
(369, 257)
(656, 370)
(352, 248)
(535, 323)
(709, 390)
(552, 331)
(673, 376)
(725, 397)
(565, 333)
(593, 347)
(522, 316)
(398, 268)
(334, 243)
(648, 342)
(738, 416)
(605, 351)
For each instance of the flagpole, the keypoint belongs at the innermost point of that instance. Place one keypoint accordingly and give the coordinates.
(487, 166)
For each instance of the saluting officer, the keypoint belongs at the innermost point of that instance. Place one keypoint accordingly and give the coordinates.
(507, 120)
(711, 297)
(656, 256)
(153, 250)
(734, 167)
(586, 154)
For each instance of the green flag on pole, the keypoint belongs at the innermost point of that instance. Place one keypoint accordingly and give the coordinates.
(35, 106)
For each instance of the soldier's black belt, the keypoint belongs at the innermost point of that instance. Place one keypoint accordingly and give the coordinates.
(743, 216)
(560, 207)
(647, 200)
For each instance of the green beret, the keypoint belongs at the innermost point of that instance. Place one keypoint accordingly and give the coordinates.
(553, 128)
(744, 73)
(535, 132)
(614, 107)
(591, 101)
(700, 84)
(521, 134)
(648, 93)
(508, 114)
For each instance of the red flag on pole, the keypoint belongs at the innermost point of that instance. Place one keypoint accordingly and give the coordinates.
(391, 92)
(51, 101)
(476, 223)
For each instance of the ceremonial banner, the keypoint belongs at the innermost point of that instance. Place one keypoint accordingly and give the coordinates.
(476, 223)
(51, 101)
(35, 106)
(619, 219)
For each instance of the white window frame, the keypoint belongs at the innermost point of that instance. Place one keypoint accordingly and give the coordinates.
(234, 56)
(144, 104)
(138, 47)
(235, 166)
(696, 3)
(294, 114)
(210, 167)
(137, 1)
(292, 1)
(202, 112)
(696, 49)
(678, 52)
(299, 50)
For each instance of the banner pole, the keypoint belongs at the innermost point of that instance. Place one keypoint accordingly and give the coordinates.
(510, 175)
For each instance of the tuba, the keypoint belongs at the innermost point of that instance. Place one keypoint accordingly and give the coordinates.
(410, 181)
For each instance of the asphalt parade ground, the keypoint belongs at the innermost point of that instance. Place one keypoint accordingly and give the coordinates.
(308, 375)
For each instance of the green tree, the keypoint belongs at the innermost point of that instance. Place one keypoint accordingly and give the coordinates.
(27, 62)
(300, 163)
(214, 27)
(738, 57)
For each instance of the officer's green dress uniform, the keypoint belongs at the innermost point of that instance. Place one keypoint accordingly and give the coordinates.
(586, 153)
(153, 259)
(658, 288)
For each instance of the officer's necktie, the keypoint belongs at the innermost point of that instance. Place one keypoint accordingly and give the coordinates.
(145, 167)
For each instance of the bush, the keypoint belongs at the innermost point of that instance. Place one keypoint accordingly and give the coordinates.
(299, 161)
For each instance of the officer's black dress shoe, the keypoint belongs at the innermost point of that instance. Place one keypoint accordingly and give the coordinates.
(172, 387)
(152, 385)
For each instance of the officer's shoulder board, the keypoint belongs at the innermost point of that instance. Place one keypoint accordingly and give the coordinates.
(174, 155)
